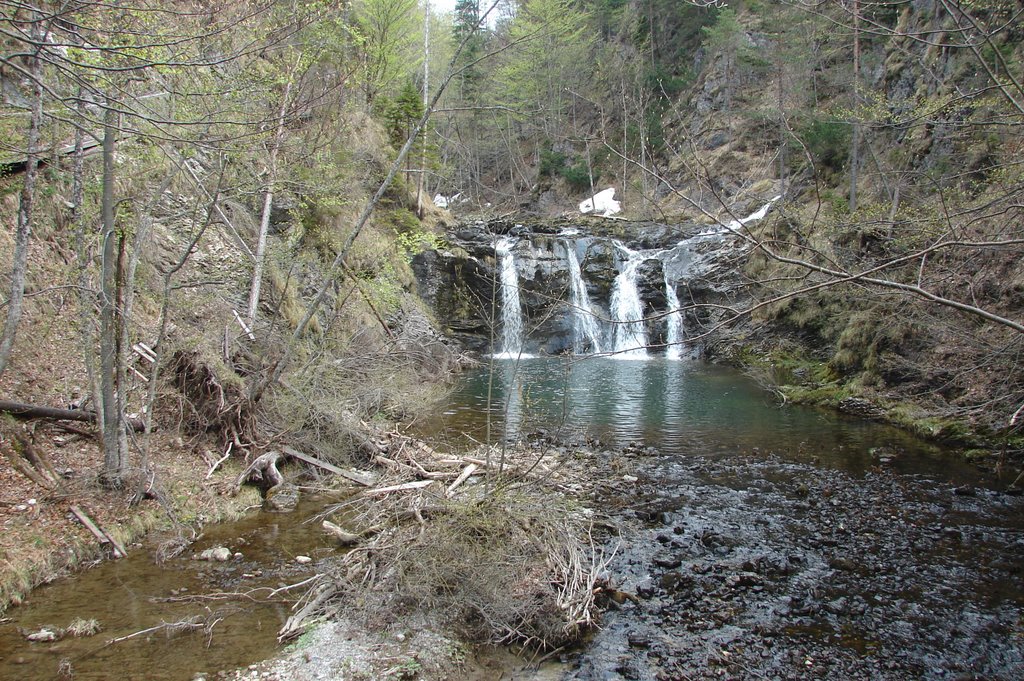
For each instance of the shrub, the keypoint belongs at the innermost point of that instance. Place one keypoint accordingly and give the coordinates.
(551, 162)
(828, 141)
(578, 176)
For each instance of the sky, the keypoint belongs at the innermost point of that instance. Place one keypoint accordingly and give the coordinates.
(441, 6)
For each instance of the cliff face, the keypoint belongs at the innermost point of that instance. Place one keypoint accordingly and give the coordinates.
(573, 280)
(892, 269)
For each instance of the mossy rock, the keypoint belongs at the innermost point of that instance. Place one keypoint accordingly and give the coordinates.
(281, 498)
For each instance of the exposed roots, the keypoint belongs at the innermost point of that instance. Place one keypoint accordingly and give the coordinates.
(215, 405)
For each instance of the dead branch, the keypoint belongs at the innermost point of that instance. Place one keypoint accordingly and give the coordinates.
(190, 624)
(34, 411)
(263, 469)
(101, 535)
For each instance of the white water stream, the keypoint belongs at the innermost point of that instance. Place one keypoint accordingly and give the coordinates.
(673, 323)
(586, 329)
(629, 337)
(512, 328)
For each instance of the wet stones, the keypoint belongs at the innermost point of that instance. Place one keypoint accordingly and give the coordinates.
(282, 498)
(638, 639)
(844, 564)
(746, 575)
(675, 581)
(743, 580)
(219, 554)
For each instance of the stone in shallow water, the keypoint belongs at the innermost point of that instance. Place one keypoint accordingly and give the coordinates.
(282, 498)
(44, 635)
(218, 553)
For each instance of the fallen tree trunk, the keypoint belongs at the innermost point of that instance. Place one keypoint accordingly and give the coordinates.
(33, 411)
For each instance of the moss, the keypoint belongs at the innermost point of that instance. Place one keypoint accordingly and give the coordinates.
(806, 380)
(975, 454)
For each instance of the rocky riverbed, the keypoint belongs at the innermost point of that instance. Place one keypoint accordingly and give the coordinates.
(760, 568)
(754, 568)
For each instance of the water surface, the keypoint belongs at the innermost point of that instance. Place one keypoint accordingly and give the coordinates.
(136, 593)
(682, 407)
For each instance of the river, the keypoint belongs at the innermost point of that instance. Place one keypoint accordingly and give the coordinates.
(760, 541)
(756, 541)
(680, 407)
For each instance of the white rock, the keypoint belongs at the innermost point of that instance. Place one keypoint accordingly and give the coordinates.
(42, 636)
(303, 560)
(219, 553)
(630, 478)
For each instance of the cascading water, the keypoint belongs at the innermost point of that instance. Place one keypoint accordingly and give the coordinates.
(673, 323)
(759, 214)
(628, 335)
(625, 337)
(586, 331)
(511, 309)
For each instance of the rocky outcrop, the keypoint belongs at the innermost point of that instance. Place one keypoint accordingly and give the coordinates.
(461, 283)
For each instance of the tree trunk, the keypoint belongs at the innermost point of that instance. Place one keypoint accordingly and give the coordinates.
(114, 460)
(426, 103)
(783, 132)
(855, 141)
(86, 291)
(268, 202)
(23, 230)
(35, 411)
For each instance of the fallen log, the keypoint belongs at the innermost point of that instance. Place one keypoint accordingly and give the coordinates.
(399, 488)
(101, 535)
(265, 468)
(364, 479)
(34, 411)
(33, 463)
(463, 476)
(346, 538)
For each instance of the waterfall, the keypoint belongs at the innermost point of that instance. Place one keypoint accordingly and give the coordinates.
(673, 323)
(629, 336)
(511, 308)
(759, 214)
(586, 331)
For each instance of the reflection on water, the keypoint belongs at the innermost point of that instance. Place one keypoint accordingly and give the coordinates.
(682, 407)
(135, 594)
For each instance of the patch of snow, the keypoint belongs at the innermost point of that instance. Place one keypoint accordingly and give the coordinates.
(602, 202)
(442, 201)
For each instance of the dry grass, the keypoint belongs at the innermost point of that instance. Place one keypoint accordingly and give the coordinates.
(507, 558)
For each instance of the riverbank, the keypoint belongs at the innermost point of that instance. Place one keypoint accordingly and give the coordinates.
(44, 540)
(745, 556)
(796, 377)
(748, 565)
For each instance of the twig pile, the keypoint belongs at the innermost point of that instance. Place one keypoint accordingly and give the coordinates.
(494, 551)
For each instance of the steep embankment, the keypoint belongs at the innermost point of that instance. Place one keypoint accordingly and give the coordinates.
(370, 352)
(889, 281)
